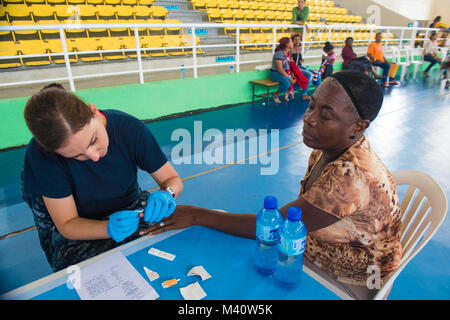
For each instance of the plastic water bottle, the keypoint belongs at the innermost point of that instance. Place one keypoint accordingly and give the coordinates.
(183, 72)
(290, 250)
(231, 69)
(268, 221)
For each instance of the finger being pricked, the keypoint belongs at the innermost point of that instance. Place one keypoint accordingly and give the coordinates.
(164, 225)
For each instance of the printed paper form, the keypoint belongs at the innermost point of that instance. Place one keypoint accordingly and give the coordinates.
(113, 278)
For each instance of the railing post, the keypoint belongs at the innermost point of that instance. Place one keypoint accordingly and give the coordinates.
(138, 51)
(274, 39)
(387, 37)
(66, 58)
(194, 51)
(413, 37)
(238, 47)
(303, 40)
(402, 34)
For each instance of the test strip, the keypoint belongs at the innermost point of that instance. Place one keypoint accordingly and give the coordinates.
(161, 254)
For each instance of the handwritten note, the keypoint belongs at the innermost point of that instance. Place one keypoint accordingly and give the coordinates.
(114, 278)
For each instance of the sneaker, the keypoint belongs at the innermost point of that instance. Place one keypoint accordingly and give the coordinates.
(385, 84)
(394, 83)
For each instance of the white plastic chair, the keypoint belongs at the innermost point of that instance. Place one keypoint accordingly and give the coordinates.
(423, 209)
(419, 223)
(413, 52)
(403, 64)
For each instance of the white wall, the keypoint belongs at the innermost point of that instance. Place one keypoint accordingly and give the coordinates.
(441, 8)
(413, 9)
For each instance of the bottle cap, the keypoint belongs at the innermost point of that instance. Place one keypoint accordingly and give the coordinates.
(270, 202)
(294, 213)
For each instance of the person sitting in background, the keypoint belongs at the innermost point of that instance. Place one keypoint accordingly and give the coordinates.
(300, 16)
(362, 64)
(430, 50)
(348, 198)
(296, 56)
(330, 58)
(280, 67)
(347, 52)
(376, 56)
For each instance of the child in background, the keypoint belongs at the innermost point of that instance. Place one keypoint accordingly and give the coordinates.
(329, 58)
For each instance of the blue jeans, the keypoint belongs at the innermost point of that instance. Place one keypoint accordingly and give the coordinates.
(431, 59)
(385, 66)
(284, 82)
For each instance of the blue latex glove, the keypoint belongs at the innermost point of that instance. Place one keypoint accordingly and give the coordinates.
(160, 205)
(122, 224)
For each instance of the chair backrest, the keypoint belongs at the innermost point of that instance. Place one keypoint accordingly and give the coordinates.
(423, 209)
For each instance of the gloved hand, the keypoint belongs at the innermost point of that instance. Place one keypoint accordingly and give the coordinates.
(122, 224)
(160, 204)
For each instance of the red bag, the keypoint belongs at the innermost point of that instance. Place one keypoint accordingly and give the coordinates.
(300, 78)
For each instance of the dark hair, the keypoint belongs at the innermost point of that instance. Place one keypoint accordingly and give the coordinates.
(365, 93)
(53, 114)
(328, 46)
(433, 34)
(283, 42)
(361, 64)
(346, 40)
(437, 18)
(295, 36)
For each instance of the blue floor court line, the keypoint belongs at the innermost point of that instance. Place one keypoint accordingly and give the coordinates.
(410, 133)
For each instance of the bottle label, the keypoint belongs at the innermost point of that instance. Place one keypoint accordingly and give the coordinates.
(266, 233)
(292, 247)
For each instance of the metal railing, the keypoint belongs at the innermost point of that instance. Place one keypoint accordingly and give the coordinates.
(411, 38)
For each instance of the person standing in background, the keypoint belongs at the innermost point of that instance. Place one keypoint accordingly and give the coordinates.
(328, 60)
(300, 15)
(347, 52)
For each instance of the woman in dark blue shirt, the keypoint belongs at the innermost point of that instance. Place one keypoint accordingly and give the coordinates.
(80, 176)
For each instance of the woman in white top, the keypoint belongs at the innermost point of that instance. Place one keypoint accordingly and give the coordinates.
(431, 49)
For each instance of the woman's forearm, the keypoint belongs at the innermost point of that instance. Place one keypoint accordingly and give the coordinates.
(84, 229)
(238, 224)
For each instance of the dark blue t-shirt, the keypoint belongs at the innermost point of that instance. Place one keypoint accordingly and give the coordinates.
(99, 188)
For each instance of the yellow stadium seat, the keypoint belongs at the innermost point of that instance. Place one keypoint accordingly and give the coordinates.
(17, 11)
(112, 2)
(84, 44)
(146, 2)
(154, 42)
(187, 39)
(87, 11)
(158, 12)
(125, 11)
(156, 30)
(105, 11)
(130, 43)
(55, 46)
(24, 32)
(93, 32)
(33, 2)
(174, 41)
(65, 12)
(129, 2)
(12, 1)
(171, 28)
(118, 29)
(75, 2)
(33, 47)
(56, 1)
(198, 4)
(94, 2)
(212, 4)
(244, 5)
(111, 43)
(142, 12)
(42, 11)
(9, 48)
